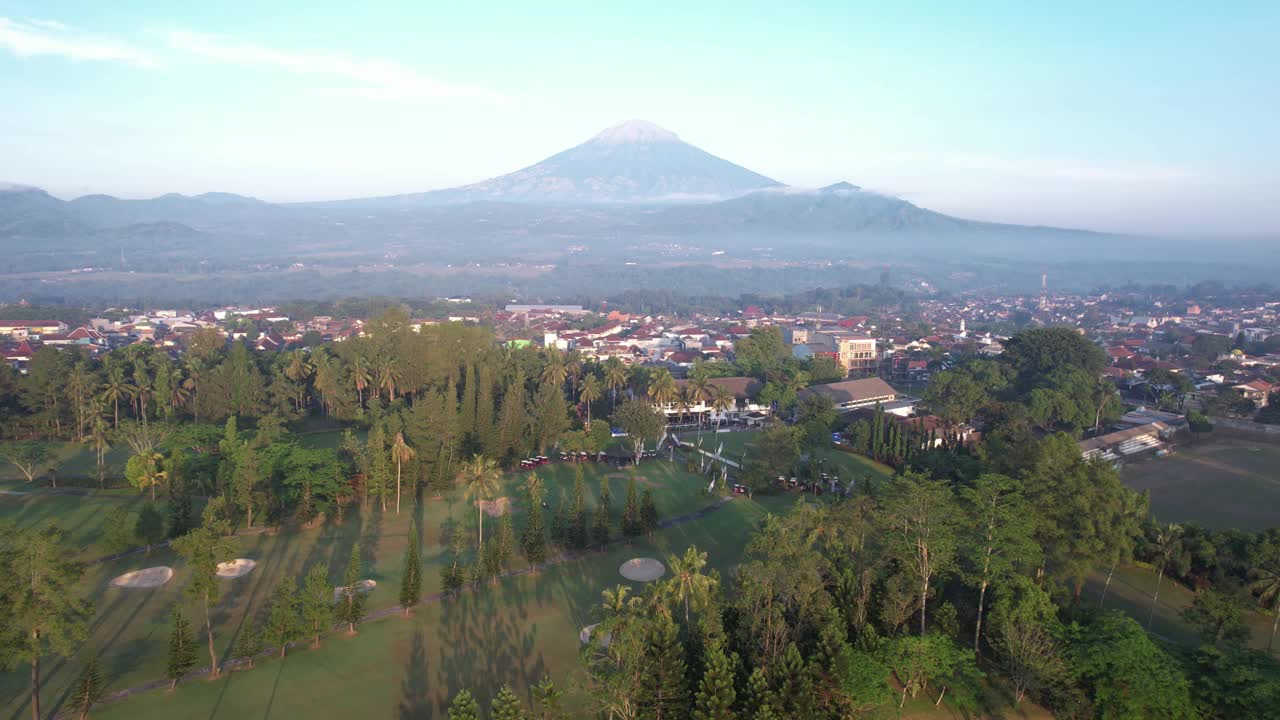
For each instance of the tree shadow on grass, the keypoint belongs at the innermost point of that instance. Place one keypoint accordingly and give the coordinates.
(415, 701)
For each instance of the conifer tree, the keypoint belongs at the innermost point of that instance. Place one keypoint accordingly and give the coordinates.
(631, 523)
(283, 624)
(664, 689)
(452, 575)
(248, 643)
(549, 701)
(182, 649)
(606, 497)
(794, 689)
(349, 609)
(506, 706)
(534, 541)
(578, 528)
(715, 697)
(648, 513)
(149, 527)
(181, 513)
(411, 573)
(600, 526)
(88, 689)
(759, 697)
(464, 707)
(560, 525)
(505, 543)
(317, 603)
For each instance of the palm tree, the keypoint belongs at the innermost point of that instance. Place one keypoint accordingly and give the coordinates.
(78, 387)
(588, 392)
(389, 378)
(555, 370)
(573, 367)
(115, 388)
(99, 439)
(151, 475)
(721, 399)
(662, 388)
(1266, 578)
(1167, 541)
(402, 453)
(360, 376)
(700, 387)
(194, 369)
(534, 486)
(479, 477)
(143, 387)
(688, 585)
(615, 377)
(298, 369)
(685, 400)
(326, 378)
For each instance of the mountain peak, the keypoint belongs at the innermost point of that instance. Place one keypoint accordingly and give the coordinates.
(840, 187)
(635, 131)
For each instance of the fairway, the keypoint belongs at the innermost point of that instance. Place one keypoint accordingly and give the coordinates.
(737, 445)
(1219, 483)
(512, 632)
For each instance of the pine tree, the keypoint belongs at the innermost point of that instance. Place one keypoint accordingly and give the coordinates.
(317, 603)
(350, 607)
(759, 697)
(631, 523)
(182, 649)
(794, 689)
(534, 541)
(150, 526)
(283, 624)
(486, 433)
(578, 532)
(560, 525)
(606, 497)
(600, 526)
(248, 643)
(464, 707)
(88, 689)
(467, 420)
(648, 513)
(181, 513)
(664, 688)
(504, 543)
(506, 706)
(549, 701)
(411, 574)
(715, 697)
(830, 666)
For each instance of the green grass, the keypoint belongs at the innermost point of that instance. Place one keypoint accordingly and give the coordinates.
(80, 517)
(130, 627)
(1219, 483)
(71, 462)
(739, 443)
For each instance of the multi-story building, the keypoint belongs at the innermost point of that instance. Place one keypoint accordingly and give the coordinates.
(854, 351)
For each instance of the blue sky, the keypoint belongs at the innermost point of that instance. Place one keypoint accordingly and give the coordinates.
(1148, 117)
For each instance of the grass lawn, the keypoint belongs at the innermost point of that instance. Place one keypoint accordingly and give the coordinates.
(80, 517)
(130, 628)
(738, 443)
(1220, 483)
(71, 463)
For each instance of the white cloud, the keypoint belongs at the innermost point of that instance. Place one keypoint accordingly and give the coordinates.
(34, 38)
(1055, 169)
(353, 76)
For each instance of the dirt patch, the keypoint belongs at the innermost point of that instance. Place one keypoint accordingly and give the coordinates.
(497, 507)
(152, 577)
(642, 569)
(235, 568)
(364, 586)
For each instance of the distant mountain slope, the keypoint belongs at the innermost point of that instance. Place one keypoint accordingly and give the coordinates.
(197, 210)
(635, 161)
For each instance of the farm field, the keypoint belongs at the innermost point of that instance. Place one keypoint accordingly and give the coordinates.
(130, 627)
(1220, 482)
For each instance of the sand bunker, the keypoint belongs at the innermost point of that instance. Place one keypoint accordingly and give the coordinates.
(152, 577)
(585, 636)
(497, 507)
(363, 586)
(235, 568)
(642, 569)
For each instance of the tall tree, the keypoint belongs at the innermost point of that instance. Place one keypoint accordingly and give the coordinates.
(588, 392)
(283, 624)
(182, 649)
(317, 602)
(506, 706)
(39, 599)
(715, 697)
(403, 454)
(203, 548)
(688, 585)
(464, 707)
(919, 514)
(641, 422)
(248, 643)
(1265, 577)
(664, 686)
(632, 526)
(648, 512)
(350, 607)
(88, 689)
(479, 477)
(534, 540)
(997, 537)
(411, 573)
(1167, 542)
(149, 527)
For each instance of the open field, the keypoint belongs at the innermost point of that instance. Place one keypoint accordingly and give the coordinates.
(1220, 482)
(73, 462)
(737, 444)
(130, 628)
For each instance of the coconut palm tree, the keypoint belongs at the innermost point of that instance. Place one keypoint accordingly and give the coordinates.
(401, 451)
(1168, 541)
(615, 378)
(298, 368)
(688, 585)
(99, 438)
(479, 477)
(114, 388)
(700, 385)
(143, 387)
(389, 377)
(194, 369)
(555, 370)
(535, 487)
(1266, 578)
(662, 388)
(360, 376)
(326, 378)
(588, 392)
(686, 399)
(150, 475)
(721, 399)
(573, 368)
